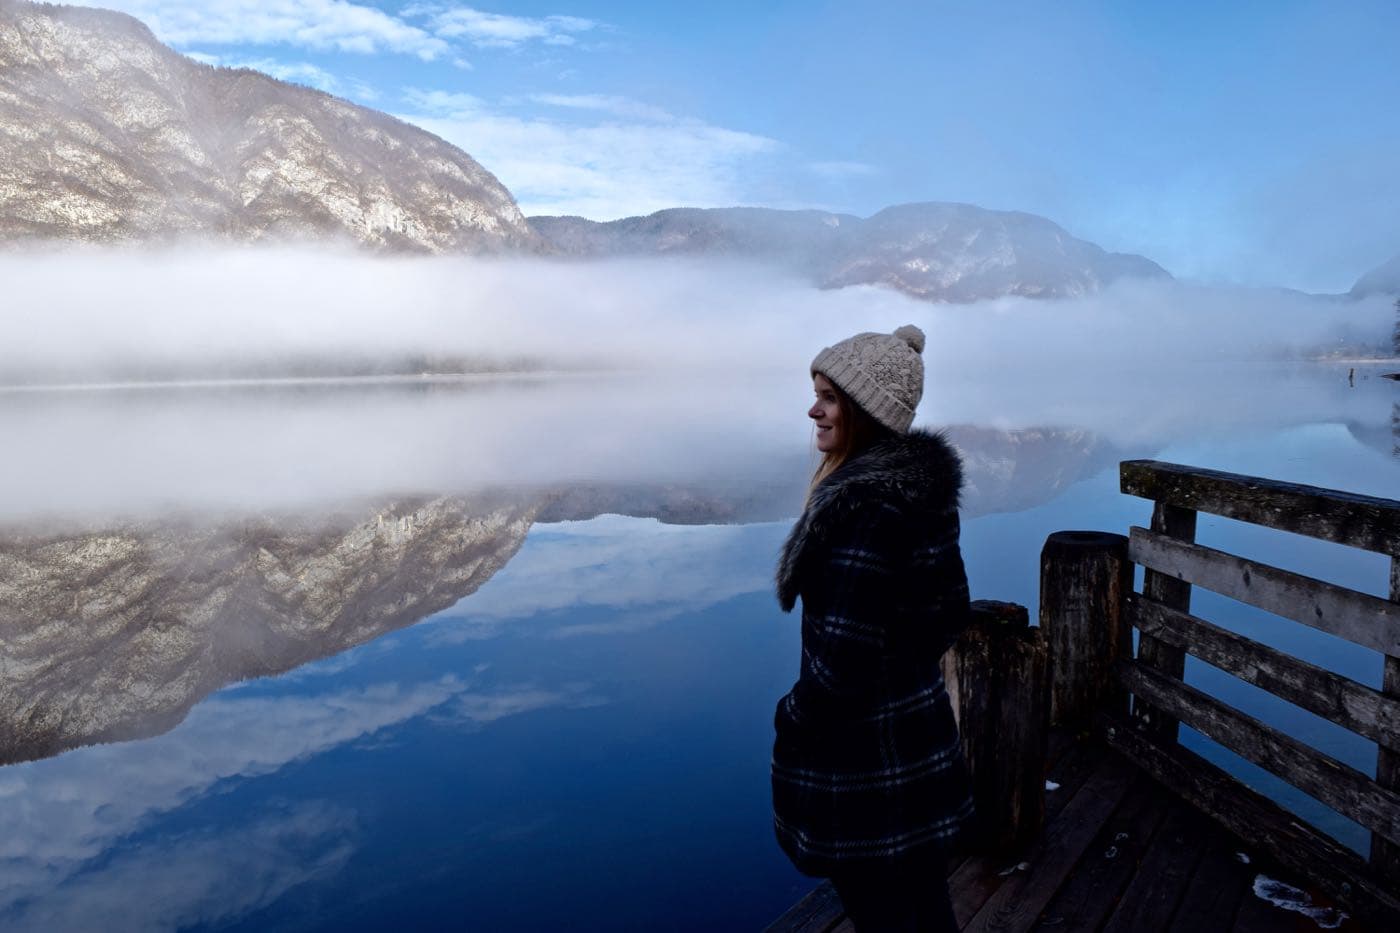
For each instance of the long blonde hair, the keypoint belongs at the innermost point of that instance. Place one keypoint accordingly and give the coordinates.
(858, 431)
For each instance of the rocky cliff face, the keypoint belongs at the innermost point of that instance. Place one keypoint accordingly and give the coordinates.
(117, 633)
(933, 251)
(108, 135)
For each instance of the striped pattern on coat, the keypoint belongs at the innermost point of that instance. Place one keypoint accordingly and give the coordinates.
(866, 762)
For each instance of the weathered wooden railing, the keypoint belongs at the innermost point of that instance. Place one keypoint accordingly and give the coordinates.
(1087, 603)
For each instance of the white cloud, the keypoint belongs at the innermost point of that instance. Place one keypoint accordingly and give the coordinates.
(496, 30)
(641, 161)
(642, 571)
(323, 25)
(604, 103)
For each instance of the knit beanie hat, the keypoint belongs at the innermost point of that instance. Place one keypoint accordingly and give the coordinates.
(882, 373)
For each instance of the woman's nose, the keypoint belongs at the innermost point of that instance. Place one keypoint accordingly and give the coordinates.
(814, 412)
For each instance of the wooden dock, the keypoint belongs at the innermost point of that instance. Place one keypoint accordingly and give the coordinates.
(1119, 853)
(1138, 832)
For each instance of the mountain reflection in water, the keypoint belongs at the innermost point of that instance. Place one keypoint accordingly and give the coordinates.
(114, 633)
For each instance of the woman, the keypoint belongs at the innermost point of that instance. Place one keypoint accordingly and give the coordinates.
(868, 782)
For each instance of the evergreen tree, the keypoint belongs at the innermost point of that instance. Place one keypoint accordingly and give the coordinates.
(1395, 334)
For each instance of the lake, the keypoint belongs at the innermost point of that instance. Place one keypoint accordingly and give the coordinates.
(503, 654)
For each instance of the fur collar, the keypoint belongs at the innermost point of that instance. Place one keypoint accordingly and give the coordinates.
(919, 472)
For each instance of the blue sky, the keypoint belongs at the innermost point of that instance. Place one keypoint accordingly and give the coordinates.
(1246, 142)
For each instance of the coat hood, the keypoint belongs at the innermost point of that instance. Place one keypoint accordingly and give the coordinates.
(920, 473)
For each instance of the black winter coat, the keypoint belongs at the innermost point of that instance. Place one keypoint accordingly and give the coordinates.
(867, 764)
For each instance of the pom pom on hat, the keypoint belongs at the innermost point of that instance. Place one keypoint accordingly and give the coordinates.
(912, 336)
(882, 373)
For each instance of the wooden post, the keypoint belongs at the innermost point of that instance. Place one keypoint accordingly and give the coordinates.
(999, 679)
(1085, 578)
(1175, 594)
(1385, 855)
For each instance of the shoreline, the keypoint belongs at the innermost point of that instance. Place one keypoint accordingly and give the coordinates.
(295, 381)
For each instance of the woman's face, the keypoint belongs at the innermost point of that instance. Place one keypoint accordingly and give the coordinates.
(826, 414)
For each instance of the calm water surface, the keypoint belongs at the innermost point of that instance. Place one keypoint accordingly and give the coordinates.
(583, 742)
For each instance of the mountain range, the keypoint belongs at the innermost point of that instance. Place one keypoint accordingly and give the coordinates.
(936, 251)
(107, 135)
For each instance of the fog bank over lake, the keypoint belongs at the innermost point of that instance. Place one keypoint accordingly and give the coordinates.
(670, 372)
(83, 313)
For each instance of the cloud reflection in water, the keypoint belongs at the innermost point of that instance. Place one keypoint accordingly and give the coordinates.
(72, 854)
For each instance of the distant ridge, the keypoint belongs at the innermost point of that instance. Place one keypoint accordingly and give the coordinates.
(107, 135)
(935, 251)
(1382, 280)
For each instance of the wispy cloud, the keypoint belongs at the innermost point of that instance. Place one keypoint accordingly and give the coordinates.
(604, 103)
(497, 30)
(323, 25)
(454, 103)
(639, 160)
(429, 30)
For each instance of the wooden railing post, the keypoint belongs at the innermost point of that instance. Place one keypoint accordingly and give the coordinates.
(1085, 578)
(1385, 855)
(1178, 523)
(998, 680)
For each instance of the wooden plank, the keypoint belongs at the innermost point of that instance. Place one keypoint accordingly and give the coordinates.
(1365, 522)
(1070, 772)
(1360, 708)
(818, 912)
(1385, 855)
(1162, 588)
(1018, 902)
(1152, 898)
(1358, 617)
(972, 883)
(1340, 786)
(1213, 897)
(1093, 888)
(1262, 823)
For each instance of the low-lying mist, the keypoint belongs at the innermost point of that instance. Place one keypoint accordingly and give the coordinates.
(86, 313)
(621, 371)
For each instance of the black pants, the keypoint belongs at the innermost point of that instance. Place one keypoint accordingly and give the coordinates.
(904, 897)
